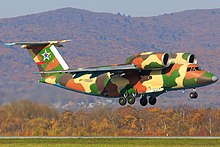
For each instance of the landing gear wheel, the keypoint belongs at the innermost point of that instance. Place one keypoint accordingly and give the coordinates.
(193, 95)
(131, 100)
(143, 101)
(152, 100)
(122, 101)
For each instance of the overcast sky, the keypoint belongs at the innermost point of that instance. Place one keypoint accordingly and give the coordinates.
(12, 8)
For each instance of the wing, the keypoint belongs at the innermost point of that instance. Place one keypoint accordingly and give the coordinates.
(111, 68)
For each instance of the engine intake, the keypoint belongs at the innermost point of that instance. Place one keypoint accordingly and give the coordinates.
(149, 60)
(183, 58)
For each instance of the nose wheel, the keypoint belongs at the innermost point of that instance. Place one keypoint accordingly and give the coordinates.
(193, 95)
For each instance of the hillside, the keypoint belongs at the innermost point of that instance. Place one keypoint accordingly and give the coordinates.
(104, 38)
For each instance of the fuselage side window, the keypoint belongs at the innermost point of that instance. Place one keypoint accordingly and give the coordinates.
(198, 68)
(188, 69)
(193, 69)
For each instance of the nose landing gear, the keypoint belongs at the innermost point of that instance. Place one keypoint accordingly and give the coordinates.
(193, 95)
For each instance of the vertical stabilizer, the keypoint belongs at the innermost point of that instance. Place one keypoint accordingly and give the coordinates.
(45, 54)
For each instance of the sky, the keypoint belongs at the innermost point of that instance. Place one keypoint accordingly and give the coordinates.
(13, 8)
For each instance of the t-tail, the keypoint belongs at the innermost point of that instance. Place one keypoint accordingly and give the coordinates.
(45, 54)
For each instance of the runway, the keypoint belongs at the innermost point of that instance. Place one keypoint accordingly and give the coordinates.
(110, 137)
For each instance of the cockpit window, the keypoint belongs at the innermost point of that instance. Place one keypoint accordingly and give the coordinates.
(193, 69)
(198, 68)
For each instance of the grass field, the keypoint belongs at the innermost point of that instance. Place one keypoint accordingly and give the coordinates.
(110, 142)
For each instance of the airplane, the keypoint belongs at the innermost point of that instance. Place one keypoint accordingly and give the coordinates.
(146, 75)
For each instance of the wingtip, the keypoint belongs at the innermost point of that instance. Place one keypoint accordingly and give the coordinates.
(66, 40)
(39, 72)
(10, 44)
(59, 41)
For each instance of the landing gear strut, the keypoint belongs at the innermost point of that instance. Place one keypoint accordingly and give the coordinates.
(193, 95)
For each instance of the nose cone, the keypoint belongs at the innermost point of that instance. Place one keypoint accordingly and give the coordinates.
(214, 79)
(207, 78)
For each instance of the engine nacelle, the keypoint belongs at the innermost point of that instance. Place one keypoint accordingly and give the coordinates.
(150, 60)
(183, 58)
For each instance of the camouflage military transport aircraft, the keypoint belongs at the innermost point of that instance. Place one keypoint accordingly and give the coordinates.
(148, 74)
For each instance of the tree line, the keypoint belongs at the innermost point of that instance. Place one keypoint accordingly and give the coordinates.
(27, 118)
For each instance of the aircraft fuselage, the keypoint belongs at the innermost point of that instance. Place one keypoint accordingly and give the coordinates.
(150, 82)
(144, 74)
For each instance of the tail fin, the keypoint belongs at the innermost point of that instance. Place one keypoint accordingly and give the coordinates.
(45, 54)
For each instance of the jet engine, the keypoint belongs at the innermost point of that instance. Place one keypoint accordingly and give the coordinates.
(149, 60)
(183, 58)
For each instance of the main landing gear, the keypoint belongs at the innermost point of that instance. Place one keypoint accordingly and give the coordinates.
(143, 100)
(127, 98)
(130, 98)
(122, 101)
(152, 100)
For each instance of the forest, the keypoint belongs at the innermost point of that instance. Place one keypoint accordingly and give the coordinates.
(28, 118)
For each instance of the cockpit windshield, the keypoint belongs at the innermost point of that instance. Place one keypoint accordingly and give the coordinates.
(193, 68)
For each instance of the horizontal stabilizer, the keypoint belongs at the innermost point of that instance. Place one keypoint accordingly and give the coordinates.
(37, 43)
